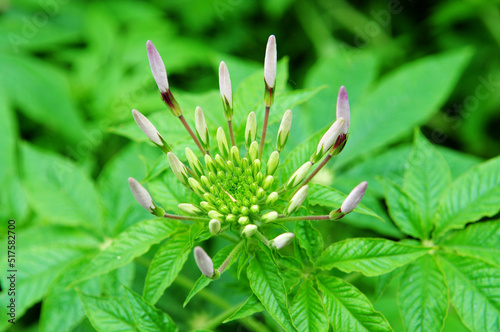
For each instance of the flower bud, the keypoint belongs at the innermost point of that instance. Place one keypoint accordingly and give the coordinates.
(284, 130)
(328, 139)
(195, 185)
(343, 110)
(206, 205)
(190, 209)
(272, 198)
(194, 162)
(256, 166)
(157, 67)
(180, 171)
(142, 195)
(270, 64)
(282, 240)
(214, 226)
(147, 127)
(221, 164)
(249, 230)
(269, 217)
(204, 262)
(225, 91)
(299, 175)
(244, 163)
(254, 209)
(352, 200)
(297, 200)
(253, 151)
(210, 165)
(222, 143)
(261, 193)
(201, 128)
(273, 163)
(235, 155)
(250, 130)
(243, 220)
(268, 182)
(213, 214)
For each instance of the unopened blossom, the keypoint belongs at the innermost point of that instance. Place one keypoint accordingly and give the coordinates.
(282, 240)
(204, 262)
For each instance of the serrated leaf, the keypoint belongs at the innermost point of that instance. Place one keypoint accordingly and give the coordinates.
(166, 265)
(251, 306)
(474, 290)
(371, 257)
(108, 313)
(310, 239)
(348, 309)
(480, 240)
(332, 198)
(426, 178)
(473, 195)
(131, 243)
(403, 99)
(404, 210)
(423, 296)
(146, 316)
(307, 310)
(268, 286)
(203, 281)
(385, 280)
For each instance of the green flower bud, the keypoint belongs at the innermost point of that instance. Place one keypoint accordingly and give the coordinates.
(268, 181)
(210, 165)
(250, 130)
(178, 168)
(261, 193)
(244, 164)
(273, 163)
(213, 214)
(214, 226)
(272, 198)
(299, 175)
(194, 162)
(269, 217)
(256, 166)
(230, 218)
(243, 220)
(249, 230)
(235, 155)
(253, 152)
(195, 185)
(206, 206)
(205, 182)
(220, 162)
(284, 130)
(254, 209)
(201, 128)
(190, 209)
(244, 210)
(222, 143)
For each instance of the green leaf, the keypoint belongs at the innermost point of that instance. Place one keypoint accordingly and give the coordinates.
(473, 195)
(166, 265)
(475, 291)
(426, 178)
(385, 280)
(332, 198)
(404, 210)
(59, 191)
(349, 309)
(268, 286)
(251, 306)
(307, 311)
(423, 296)
(131, 243)
(203, 281)
(310, 239)
(480, 240)
(403, 99)
(108, 313)
(371, 257)
(147, 317)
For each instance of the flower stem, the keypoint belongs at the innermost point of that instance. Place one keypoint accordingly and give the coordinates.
(186, 125)
(283, 218)
(190, 218)
(231, 133)
(264, 130)
(230, 257)
(262, 238)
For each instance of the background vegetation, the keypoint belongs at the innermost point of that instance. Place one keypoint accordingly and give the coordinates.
(71, 71)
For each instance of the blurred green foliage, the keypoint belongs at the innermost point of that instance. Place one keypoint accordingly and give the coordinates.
(71, 71)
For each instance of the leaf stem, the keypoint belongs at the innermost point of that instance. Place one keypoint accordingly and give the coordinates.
(186, 125)
(264, 131)
(230, 257)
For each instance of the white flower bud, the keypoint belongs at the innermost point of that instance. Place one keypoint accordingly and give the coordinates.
(299, 175)
(214, 226)
(157, 67)
(147, 127)
(269, 217)
(282, 240)
(253, 152)
(272, 198)
(352, 200)
(201, 128)
(343, 110)
(273, 162)
(243, 220)
(180, 171)
(328, 139)
(251, 129)
(194, 162)
(270, 62)
(213, 214)
(297, 200)
(249, 230)
(222, 143)
(204, 262)
(268, 182)
(225, 91)
(235, 155)
(195, 185)
(284, 130)
(190, 209)
(141, 195)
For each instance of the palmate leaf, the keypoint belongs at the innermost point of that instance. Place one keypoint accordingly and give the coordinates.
(251, 306)
(423, 296)
(307, 310)
(473, 195)
(268, 286)
(348, 309)
(132, 242)
(480, 240)
(426, 178)
(474, 290)
(147, 317)
(166, 265)
(371, 257)
(309, 239)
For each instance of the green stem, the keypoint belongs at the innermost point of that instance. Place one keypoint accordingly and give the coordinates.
(190, 218)
(262, 238)
(230, 257)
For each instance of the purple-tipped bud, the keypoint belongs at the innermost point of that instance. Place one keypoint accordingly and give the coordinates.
(343, 110)
(204, 262)
(226, 92)
(282, 240)
(328, 139)
(147, 127)
(352, 200)
(270, 62)
(157, 67)
(141, 195)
